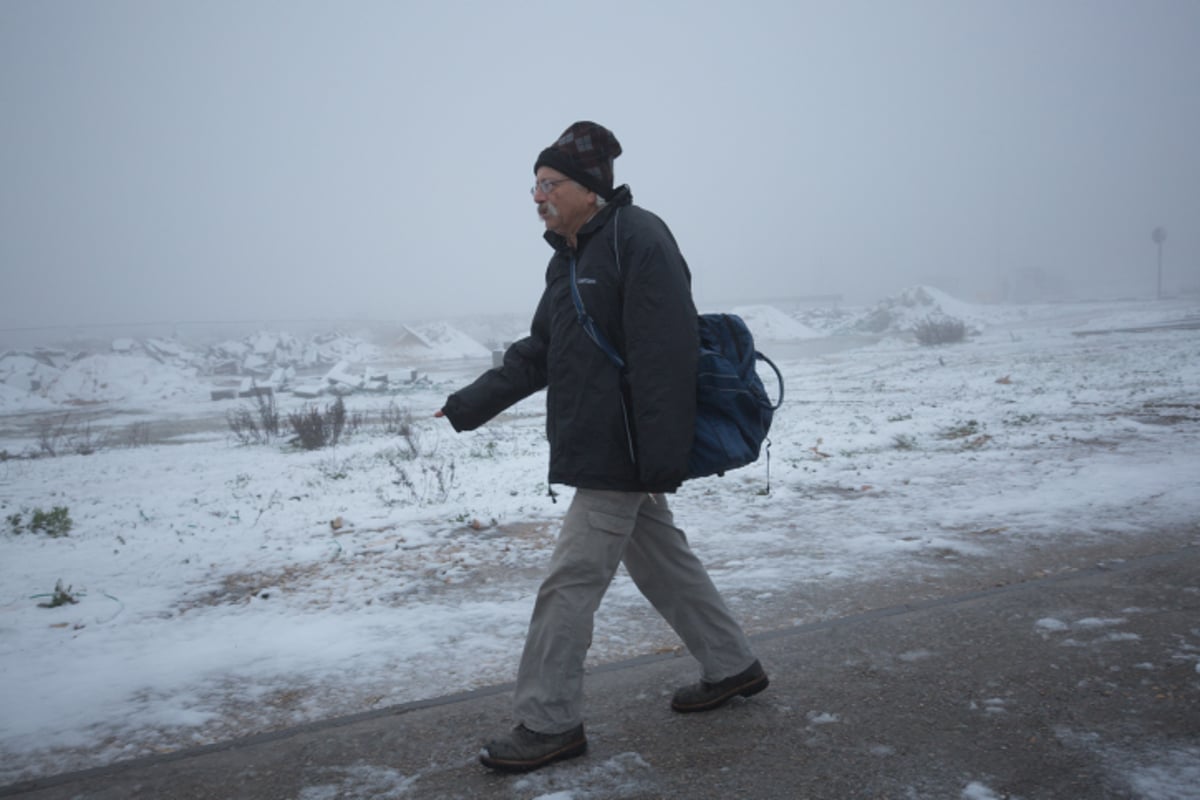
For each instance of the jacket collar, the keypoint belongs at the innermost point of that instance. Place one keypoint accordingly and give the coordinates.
(621, 197)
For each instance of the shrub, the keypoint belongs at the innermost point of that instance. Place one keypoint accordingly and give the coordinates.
(433, 484)
(255, 426)
(396, 420)
(960, 430)
(51, 434)
(58, 435)
(399, 422)
(54, 523)
(316, 428)
(940, 330)
(135, 435)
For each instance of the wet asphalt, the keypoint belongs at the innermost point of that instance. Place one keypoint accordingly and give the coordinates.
(1081, 685)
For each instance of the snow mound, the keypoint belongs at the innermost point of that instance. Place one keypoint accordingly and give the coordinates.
(769, 324)
(108, 378)
(12, 399)
(443, 340)
(26, 373)
(902, 312)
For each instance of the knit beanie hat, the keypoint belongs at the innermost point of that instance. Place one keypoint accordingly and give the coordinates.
(584, 153)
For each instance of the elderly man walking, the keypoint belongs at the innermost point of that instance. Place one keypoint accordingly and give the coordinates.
(620, 438)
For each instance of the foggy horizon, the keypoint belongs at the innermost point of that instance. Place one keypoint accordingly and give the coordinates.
(224, 162)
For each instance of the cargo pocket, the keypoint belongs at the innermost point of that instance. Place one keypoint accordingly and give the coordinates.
(611, 523)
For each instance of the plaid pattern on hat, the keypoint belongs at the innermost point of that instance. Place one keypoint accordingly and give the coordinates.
(584, 153)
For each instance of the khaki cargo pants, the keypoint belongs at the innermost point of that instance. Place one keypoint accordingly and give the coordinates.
(601, 530)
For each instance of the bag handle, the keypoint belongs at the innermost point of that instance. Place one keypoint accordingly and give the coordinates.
(778, 376)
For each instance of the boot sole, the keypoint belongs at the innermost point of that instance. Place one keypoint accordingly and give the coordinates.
(572, 750)
(745, 690)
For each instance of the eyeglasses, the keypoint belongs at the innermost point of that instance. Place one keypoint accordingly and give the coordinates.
(546, 187)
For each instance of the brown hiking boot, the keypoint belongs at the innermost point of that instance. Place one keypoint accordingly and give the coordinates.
(705, 696)
(524, 750)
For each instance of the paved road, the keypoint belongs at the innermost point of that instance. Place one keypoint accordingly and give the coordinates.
(1084, 685)
(1191, 324)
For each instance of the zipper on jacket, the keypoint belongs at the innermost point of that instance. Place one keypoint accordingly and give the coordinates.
(628, 431)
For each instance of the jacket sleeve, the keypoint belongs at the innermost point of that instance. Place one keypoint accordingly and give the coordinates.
(661, 347)
(522, 373)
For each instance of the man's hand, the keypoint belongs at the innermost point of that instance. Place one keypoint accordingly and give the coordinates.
(439, 413)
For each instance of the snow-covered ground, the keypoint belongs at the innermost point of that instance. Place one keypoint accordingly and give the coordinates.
(226, 588)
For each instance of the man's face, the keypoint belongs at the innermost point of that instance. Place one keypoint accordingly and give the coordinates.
(566, 206)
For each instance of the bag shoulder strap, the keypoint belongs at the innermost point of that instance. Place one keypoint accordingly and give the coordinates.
(585, 319)
(589, 324)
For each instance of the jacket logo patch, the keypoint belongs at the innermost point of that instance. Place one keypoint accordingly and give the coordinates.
(585, 280)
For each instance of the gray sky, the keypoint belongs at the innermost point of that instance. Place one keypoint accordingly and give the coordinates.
(174, 160)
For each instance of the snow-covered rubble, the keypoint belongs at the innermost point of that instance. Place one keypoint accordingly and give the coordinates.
(266, 351)
(153, 368)
(448, 341)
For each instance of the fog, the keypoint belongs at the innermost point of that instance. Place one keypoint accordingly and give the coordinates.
(234, 161)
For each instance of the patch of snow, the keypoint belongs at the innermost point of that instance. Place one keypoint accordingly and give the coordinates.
(1172, 774)
(978, 791)
(1051, 624)
(625, 774)
(362, 780)
(1099, 622)
(769, 324)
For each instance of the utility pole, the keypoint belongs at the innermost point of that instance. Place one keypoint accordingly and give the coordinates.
(1159, 236)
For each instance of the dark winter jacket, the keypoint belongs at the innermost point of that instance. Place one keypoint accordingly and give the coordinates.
(606, 432)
